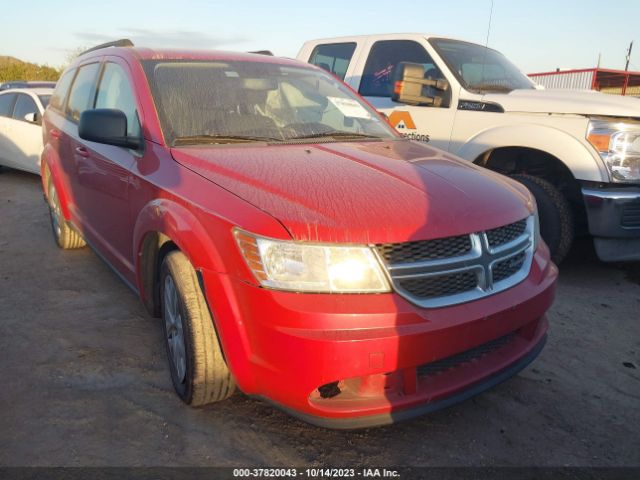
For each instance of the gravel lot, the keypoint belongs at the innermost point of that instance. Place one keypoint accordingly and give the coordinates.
(85, 379)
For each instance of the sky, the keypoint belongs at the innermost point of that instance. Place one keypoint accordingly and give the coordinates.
(537, 35)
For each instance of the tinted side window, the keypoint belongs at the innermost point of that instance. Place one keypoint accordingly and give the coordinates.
(115, 92)
(81, 96)
(6, 104)
(384, 56)
(24, 105)
(334, 57)
(62, 88)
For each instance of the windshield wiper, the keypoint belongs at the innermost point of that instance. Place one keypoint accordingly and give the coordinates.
(213, 139)
(334, 134)
(488, 87)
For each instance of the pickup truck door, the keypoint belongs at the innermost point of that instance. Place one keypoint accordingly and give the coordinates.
(373, 81)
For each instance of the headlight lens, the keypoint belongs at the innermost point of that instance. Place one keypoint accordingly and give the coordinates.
(308, 267)
(619, 146)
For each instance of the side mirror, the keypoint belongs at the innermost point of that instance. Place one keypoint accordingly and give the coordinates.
(408, 84)
(33, 117)
(108, 126)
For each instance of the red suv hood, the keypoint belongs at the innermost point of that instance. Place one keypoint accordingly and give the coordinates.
(362, 192)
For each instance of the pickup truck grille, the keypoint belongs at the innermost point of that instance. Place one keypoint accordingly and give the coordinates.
(447, 271)
(631, 215)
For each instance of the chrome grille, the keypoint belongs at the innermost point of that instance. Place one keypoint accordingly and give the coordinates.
(501, 235)
(506, 268)
(452, 270)
(468, 356)
(438, 286)
(424, 250)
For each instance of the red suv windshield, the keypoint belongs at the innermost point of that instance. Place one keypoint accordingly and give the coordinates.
(235, 101)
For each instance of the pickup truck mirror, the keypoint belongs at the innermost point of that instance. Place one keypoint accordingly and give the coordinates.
(108, 126)
(408, 84)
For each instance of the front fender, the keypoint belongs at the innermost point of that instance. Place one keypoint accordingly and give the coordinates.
(183, 228)
(180, 225)
(50, 167)
(583, 163)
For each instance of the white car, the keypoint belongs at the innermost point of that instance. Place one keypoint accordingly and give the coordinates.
(20, 127)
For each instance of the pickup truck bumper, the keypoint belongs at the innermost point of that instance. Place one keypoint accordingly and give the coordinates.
(614, 222)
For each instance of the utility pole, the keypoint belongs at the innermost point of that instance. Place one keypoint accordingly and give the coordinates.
(626, 67)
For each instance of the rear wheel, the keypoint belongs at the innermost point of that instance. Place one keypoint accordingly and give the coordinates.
(556, 217)
(65, 236)
(198, 369)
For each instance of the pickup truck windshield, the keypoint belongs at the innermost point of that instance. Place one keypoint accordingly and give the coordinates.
(480, 69)
(213, 102)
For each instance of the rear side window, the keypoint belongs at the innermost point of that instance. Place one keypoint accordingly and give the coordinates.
(384, 56)
(24, 106)
(6, 104)
(334, 57)
(62, 88)
(115, 92)
(81, 96)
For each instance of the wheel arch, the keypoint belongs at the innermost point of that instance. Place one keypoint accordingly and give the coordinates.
(50, 168)
(557, 144)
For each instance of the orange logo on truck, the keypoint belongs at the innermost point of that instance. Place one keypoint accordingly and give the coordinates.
(398, 116)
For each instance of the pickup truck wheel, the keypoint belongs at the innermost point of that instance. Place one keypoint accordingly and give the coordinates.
(198, 369)
(556, 218)
(65, 236)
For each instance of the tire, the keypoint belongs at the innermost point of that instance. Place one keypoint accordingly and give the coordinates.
(556, 218)
(65, 236)
(198, 369)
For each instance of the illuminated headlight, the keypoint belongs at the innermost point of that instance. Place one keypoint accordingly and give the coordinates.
(309, 267)
(619, 146)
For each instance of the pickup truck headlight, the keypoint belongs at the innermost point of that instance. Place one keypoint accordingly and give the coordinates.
(619, 146)
(309, 267)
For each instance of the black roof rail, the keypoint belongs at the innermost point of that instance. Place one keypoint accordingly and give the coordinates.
(123, 42)
(263, 52)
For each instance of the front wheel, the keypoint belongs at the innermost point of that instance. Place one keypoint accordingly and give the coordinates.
(556, 217)
(198, 369)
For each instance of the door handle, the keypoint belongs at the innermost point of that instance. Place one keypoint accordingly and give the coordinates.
(82, 152)
(55, 133)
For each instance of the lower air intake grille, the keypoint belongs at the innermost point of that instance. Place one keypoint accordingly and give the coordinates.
(440, 366)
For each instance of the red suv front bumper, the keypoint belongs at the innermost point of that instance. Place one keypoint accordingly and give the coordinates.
(350, 361)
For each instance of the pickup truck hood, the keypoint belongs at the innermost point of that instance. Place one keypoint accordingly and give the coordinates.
(362, 192)
(583, 102)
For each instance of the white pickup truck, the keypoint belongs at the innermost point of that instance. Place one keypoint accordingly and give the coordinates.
(578, 152)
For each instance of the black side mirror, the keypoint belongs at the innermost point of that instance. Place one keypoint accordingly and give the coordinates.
(408, 83)
(108, 126)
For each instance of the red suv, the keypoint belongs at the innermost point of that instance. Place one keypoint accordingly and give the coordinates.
(294, 244)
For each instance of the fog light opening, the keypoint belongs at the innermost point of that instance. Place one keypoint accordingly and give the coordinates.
(329, 390)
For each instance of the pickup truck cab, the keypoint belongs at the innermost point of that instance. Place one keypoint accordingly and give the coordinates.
(578, 152)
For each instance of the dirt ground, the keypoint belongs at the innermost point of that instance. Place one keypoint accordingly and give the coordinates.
(86, 382)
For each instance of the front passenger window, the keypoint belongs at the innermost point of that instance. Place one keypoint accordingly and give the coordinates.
(383, 58)
(81, 96)
(115, 92)
(24, 106)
